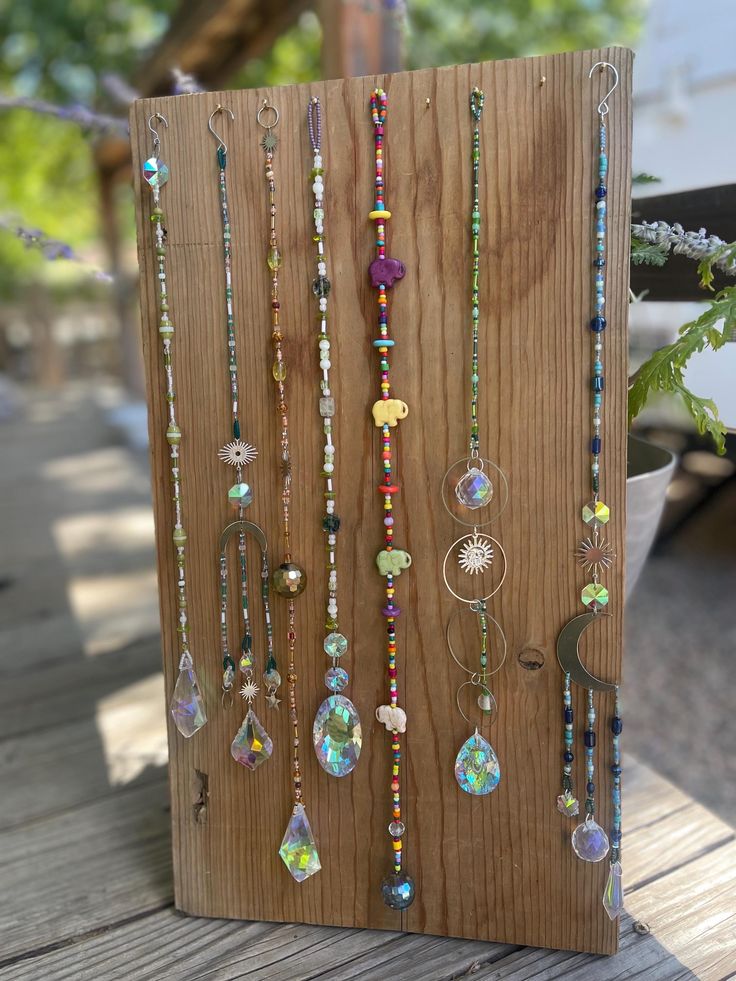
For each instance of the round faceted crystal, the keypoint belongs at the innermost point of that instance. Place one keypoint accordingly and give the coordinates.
(336, 678)
(596, 513)
(272, 678)
(155, 172)
(477, 769)
(289, 579)
(335, 644)
(590, 841)
(240, 496)
(337, 735)
(396, 829)
(474, 489)
(594, 595)
(397, 890)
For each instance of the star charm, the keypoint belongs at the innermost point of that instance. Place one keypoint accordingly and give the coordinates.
(273, 701)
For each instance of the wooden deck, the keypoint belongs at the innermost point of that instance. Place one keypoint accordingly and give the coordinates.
(84, 826)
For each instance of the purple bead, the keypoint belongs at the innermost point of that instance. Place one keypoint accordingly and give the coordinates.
(391, 611)
(384, 272)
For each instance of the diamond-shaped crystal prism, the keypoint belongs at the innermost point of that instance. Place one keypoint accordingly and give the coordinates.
(590, 841)
(252, 744)
(187, 705)
(298, 849)
(477, 769)
(594, 595)
(596, 513)
(474, 489)
(613, 895)
(155, 172)
(240, 496)
(337, 735)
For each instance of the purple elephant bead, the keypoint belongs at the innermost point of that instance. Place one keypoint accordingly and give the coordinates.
(386, 271)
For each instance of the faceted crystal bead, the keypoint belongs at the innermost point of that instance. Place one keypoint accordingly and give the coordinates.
(396, 829)
(327, 406)
(336, 678)
(187, 704)
(335, 645)
(274, 258)
(397, 890)
(155, 172)
(240, 496)
(321, 286)
(337, 735)
(613, 895)
(279, 371)
(298, 849)
(474, 489)
(567, 804)
(594, 595)
(596, 513)
(252, 744)
(272, 678)
(289, 579)
(477, 769)
(590, 841)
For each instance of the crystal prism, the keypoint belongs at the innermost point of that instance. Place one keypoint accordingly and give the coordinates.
(567, 804)
(477, 769)
(155, 172)
(298, 849)
(187, 704)
(474, 489)
(336, 678)
(252, 744)
(613, 895)
(397, 890)
(590, 841)
(337, 735)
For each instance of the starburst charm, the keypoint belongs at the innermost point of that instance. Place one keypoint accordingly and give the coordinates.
(237, 453)
(476, 555)
(249, 691)
(594, 556)
(269, 142)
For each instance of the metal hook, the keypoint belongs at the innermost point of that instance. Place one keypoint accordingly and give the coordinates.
(219, 108)
(603, 104)
(164, 120)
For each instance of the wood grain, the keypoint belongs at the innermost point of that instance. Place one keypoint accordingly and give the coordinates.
(494, 869)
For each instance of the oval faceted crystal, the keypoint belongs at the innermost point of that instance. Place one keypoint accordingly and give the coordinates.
(477, 769)
(590, 841)
(337, 735)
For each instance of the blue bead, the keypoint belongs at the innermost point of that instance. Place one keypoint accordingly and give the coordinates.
(383, 342)
(589, 739)
(595, 445)
(616, 725)
(598, 383)
(600, 191)
(597, 324)
(599, 261)
(568, 715)
(590, 788)
(568, 757)
(616, 769)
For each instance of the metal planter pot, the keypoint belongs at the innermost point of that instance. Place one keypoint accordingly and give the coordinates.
(649, 472)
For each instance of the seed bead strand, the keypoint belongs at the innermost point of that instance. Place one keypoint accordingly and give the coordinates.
(589, 740)
(616, 730)
(477, 101)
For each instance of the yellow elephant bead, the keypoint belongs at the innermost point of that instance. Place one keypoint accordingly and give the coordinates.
(392, 563)
(389, 411)
(379, 215)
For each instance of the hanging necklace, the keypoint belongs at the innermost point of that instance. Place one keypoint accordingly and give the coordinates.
(471, 563)
(298, 849)
(397, 888)
(595, 555)
(337, 732)
(252, 745)
(187, 705)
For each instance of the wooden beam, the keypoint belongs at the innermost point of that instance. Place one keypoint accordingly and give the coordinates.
(712, 208)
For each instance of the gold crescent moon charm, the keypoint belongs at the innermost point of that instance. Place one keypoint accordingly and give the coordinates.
(246, 527)
(569, 656)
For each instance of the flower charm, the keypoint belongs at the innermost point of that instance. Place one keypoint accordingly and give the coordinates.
(249, 691)
(476, 555)
(237, 453)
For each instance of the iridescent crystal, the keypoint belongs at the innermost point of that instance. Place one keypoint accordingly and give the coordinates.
(155, 172)
(397, 890)
(474, 489)
(337, 735)
(298, 849)
(567, 804)
(252, 744)
(613, 895)
(240, 496)
(596, 513)
(187, 704)
(335, 644)
(477, 769)
(594, 595)
(336, 678)
(289, 579)
(396, 829)
(590, 841)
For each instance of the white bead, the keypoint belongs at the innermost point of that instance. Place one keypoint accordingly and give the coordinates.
(324, 345)
(316, 187)
(325, 364)
(329, 467)
(321, 268)
(317, 160)
(323, 303)
(330, 507)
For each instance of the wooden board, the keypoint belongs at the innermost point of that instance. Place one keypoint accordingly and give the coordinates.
(499, 868)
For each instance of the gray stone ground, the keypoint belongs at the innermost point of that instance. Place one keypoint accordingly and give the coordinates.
(77, 572)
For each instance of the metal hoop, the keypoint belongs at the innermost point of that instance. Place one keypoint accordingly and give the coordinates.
(479, 464)
(475, 599)
(473, 674)
(267, 108)
(493, 714)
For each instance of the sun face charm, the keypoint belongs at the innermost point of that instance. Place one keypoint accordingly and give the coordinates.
(476, 555)
(594, 556)
(237, 453)
(249, 690)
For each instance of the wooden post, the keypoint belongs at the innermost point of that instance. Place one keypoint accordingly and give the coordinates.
(499, 868)
(359, 39)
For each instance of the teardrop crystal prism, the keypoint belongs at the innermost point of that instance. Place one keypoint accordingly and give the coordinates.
(187, 704)
(155, 172)
(298, 849)
(613, 895)
(477, 769)
(590, 841)
(337, 735)
(252, 744)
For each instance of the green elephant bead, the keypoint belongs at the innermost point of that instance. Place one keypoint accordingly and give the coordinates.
(393, 563)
